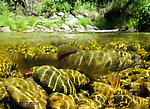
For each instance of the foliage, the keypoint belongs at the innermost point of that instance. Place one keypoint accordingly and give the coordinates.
(134, 13)
(83, 7)
(16, 22)
(84, 21)
(4, 7)
(141, 15)
(51, 24)
(50, 6)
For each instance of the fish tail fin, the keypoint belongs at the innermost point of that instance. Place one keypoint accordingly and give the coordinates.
(23, 61)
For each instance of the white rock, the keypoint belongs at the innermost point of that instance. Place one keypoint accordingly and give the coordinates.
(65, 27)
(5, 29)
(86, 14)
(72, 21)
(75, 26)
(28, 31)
(82, 27)
(61, 14)
(79, 30)
(79, 16)
(55, 25)
(57, 29)
(89, 27)
(71, 16)
(55, 17)
(95, 28)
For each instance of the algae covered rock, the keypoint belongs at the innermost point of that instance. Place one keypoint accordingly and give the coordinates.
(84, 101)
(51, 79)
(25, 93)
(61, 101)
(79, 79)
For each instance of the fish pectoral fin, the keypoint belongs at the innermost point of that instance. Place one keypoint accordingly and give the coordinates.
(65, 50)
(115, 79)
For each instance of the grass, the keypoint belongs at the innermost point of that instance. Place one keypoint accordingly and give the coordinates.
(84, 21)
(20, 23)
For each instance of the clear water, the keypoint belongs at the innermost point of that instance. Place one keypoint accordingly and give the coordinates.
(60, 38)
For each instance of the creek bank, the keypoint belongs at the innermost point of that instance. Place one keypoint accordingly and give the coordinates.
(71, 23)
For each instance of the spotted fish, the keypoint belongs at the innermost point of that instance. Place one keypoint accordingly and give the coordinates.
(95, 62)
(90, 62)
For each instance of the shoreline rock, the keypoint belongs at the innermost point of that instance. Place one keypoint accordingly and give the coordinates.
(71, 24)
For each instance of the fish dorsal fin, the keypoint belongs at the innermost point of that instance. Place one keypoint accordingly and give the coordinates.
(65, 50)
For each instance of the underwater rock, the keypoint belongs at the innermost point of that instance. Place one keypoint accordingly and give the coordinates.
(3, 93)
(60, 101)
(51, 79)
(102, 88)
(129, 101)
(25, 93)
(83, 100)
(78, 79)
(144, 90)
(99, 98)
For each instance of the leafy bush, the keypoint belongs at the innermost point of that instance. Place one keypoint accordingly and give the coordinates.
(50, 6)
(84, 21)
(141, 15)
(3, 7)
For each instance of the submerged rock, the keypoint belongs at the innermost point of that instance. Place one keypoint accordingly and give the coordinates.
(25, 93)
(78, 79)
(51, 79)
(61, 101)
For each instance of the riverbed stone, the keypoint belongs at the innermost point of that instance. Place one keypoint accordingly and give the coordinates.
(5, 29)
(26, 93)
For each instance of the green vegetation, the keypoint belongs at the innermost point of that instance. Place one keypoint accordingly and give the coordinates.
(84, 21)
(105, 14)
(141, 15)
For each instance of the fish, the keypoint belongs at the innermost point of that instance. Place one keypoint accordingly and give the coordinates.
(96, 62)
(26, 61)
(90, 62)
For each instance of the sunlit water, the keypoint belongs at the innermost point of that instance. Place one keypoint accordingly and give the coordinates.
(45, 43)
(60, 38)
